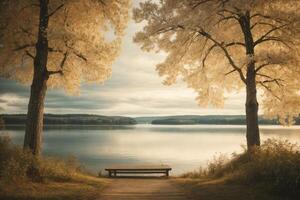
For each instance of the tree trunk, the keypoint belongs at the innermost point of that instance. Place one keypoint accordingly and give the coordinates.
(253, 138)
(252, 135)
(34, 124)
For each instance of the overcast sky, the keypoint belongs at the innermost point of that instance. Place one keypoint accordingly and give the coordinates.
(135, 89)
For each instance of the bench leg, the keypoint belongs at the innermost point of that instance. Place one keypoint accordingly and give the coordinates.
(109, 173)
(167, 173)
(115, 173)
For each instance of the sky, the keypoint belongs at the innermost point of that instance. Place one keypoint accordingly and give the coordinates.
(135, 89)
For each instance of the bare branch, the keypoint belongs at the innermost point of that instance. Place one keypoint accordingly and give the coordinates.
(271, 79)
(278, 20)
(262, 66)
(220, 45)
(230, 72)
(79, 55)
(29, 54)
(56, 10)
(62, 63)
(50, 49)
(265, 36)
(71, 50)
(235, 44)
(275, 39)
(269, 90)
(263, 24)
(23, 47)
(55, 72)
(227, 18)
(207, 54)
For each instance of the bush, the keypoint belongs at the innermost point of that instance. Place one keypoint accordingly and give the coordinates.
(15, 165)
(14, 162)
(275, 164)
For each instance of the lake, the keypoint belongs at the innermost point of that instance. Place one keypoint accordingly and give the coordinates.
(184, 147)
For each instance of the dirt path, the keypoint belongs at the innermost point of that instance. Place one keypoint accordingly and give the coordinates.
(142, 189)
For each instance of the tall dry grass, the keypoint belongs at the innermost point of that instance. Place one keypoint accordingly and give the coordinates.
(16, 164)
(275, 165)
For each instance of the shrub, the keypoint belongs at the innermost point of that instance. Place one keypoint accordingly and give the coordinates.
(275, 164)
(15, 164)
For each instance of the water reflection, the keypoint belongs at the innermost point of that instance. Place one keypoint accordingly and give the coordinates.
(183, 147)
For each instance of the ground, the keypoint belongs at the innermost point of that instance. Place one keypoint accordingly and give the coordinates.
(81, 188)
(220, 189)
(143, 189)
(92, 188)
(181, 189)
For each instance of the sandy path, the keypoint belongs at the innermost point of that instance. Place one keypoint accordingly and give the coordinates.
(142, 189)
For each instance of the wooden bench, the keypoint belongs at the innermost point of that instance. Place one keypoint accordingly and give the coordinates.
(138, 169)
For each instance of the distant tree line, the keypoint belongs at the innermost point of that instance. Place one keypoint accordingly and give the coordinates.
(222, 120)
(72, 119)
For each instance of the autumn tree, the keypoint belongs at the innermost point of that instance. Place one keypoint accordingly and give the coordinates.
(58, 44)
(217, 46)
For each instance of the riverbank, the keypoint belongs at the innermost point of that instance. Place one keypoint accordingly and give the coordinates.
(271, 171)
(25, 177)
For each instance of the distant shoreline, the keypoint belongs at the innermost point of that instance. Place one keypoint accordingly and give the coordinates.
(100, 120)
(70, 119)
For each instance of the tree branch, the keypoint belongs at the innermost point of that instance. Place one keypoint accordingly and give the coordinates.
(79, 55)
(269, 90)
(271, 79)
(226, 18)
(23, 47)
(235, 43)
(262, 38)
(29, 54)
(54, 11)
(278, 20)
(207, 54)
(55, 72)
(230, 72)
(262, 66)
(50, 49)
(231, 62)
(274, 39)
(62, 63)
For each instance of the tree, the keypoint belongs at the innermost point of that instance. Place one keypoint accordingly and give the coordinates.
(218, 46)
(58, 44)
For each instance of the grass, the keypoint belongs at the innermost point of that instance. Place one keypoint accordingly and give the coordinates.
(83, 188)
(220, 189)
(57, 179)
(269, 171)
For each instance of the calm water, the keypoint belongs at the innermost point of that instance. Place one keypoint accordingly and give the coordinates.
(185, 148)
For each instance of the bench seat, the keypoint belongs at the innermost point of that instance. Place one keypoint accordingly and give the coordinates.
(138, 169)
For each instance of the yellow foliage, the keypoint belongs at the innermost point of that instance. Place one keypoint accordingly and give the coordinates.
(77, 31)
(208, 47)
